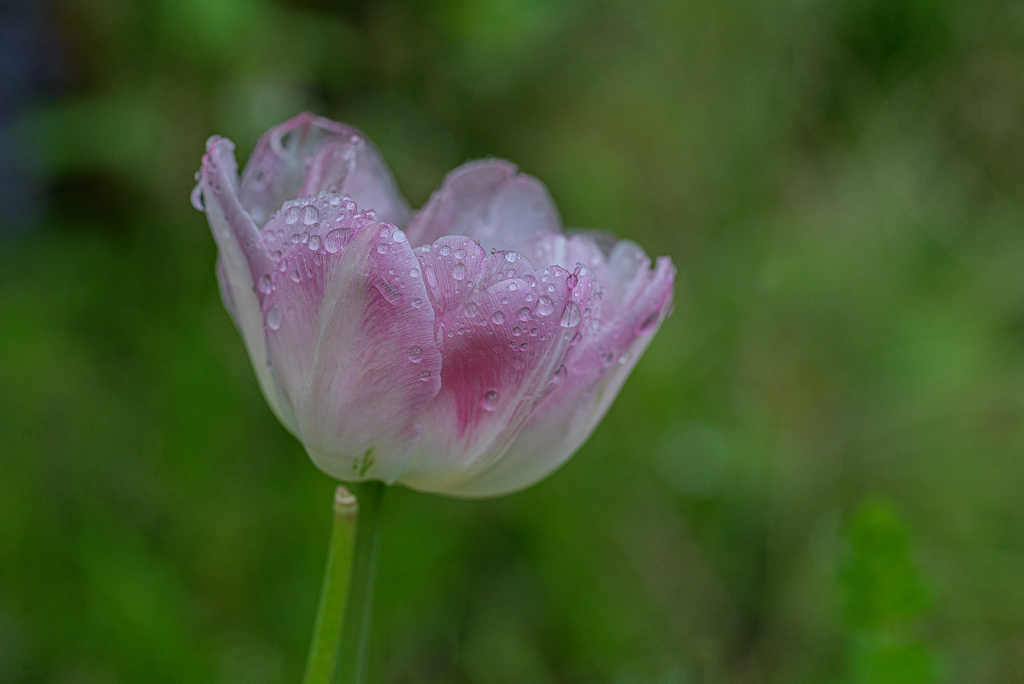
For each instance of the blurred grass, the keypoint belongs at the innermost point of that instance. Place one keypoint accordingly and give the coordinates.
(840, 185)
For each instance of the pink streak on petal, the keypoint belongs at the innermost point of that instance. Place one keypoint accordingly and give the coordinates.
(597, 369)
(350, 334)
(487, 347)
(490, 202)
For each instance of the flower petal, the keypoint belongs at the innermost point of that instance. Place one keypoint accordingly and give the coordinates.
(491, 203)
(503, 339)
(350, 333)
(596, 371)
(309, 154)
(240, 251)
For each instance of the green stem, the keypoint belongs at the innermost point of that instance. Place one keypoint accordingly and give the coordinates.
(327, 629)
(355, 632)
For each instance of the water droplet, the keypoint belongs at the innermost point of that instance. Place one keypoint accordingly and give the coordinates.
(497, 318)
(416, 303)
(292, 215)
(560, 375)
(551, 287)
(415, 273)
(531, 281)
(415, 354)
(470, 311)
(516, 331)
(511, 257)
(425, 375)
(310, 215)
(382, 248)
(572, 280)
(334, 240)
(533, 332)
(318, 260)
(295, 238)
(512, 287)
(648, 323)
(295, 276)
(385, 231)
(398, 236)
(265, 283)
(570, 315)
(274, 318)
(460, 253)
(524, 346)
(445, 250)
(524, 313)
(490, 400)
(544, 306)
(390, 292)
(334, 199)
(459, 271)
(314, 242)
(575, 339)
(197, 197)
(431, 278)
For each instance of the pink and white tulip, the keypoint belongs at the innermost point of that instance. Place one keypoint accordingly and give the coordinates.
(469, 349)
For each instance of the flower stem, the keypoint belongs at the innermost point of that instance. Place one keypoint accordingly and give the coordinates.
(327, 629)
(351, 660)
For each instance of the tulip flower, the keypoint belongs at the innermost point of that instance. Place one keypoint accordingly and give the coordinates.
(468, 349)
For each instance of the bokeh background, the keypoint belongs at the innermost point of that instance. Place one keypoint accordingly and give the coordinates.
(814, 476)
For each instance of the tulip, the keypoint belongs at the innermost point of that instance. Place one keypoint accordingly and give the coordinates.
(469, 349)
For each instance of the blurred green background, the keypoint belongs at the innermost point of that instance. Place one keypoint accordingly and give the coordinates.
(813, 476)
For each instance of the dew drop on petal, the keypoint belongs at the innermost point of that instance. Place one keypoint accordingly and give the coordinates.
(334, 199)
(570, 315)
(197, 197)
(385, 231)
(390, 292)
(292, 215)
(559, 377)
(310, 215)
(572, 280)
(511, 257)
(575, 339)
(524, 313)
(416, 303)
(445, 250)
(415, 354)
(489, 401)
(512, 287)
(460, 253)
(425, 376)
(398, 236)
(497, 318)
(544, 306)
(274, 318)
(415, 273)
(265, 283)
(470, 311)
(382, 248)
(314, 242)
(517, 331)
(648, 323)
(295, 275)
(459, 271)
(333, 240)
(551, 287)
(431, 278)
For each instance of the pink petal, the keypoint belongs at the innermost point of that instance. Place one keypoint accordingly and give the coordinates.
(240, 252)
(489, 202)
(309, 154)
(350, 334)
(504, 330)
(596, 370)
